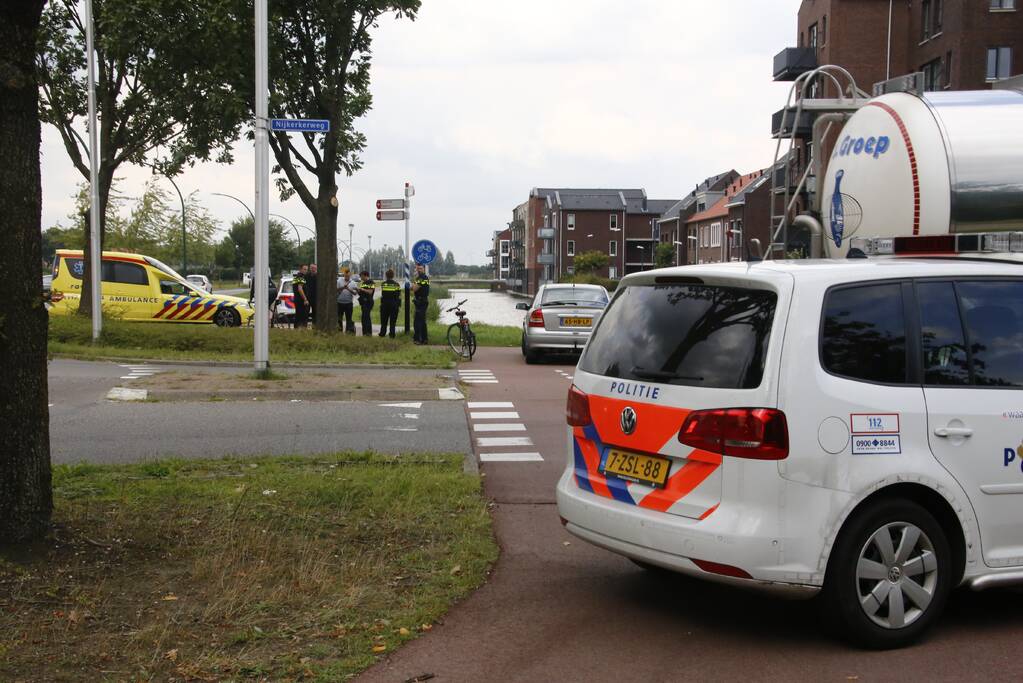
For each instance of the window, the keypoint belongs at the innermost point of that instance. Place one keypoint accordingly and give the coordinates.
(546, 220)
(571, 248)
(612, 272)
(614, 221)
(504, 263)
(690, 335)
(999, 63)
(932, 74)
(993, 313)
(580, 296)
(824, 30)
(948, 70)
(504, 246)
(571, 221)
(1003, 4)
(612, 248)
(811, 36)
(570, 270)
(863, 335)
(715, 235)
(930, 18)
(943, 350)
(120, 272)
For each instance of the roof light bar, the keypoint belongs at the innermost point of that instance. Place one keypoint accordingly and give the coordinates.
(961, 243)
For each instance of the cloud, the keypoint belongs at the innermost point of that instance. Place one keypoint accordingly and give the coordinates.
(478, 102)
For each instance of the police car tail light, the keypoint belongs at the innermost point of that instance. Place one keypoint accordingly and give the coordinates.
(577, 409)
(536, 318)
(754, 433)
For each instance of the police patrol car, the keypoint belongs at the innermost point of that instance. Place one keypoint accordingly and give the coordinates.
(851, 428)
(141, 288)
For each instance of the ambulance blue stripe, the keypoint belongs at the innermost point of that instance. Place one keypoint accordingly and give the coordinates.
(582, 475)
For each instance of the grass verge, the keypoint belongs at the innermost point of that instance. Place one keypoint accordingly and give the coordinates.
(72, 335)
(265, 569)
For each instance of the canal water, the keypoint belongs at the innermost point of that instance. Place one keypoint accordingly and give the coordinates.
(483, 306)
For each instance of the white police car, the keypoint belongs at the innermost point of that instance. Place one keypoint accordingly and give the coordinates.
(853, 428)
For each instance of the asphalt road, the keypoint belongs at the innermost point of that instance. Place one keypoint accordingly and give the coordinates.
(86, 427)
(557, 609)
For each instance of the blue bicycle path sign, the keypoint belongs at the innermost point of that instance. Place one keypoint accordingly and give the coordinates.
(424, 252)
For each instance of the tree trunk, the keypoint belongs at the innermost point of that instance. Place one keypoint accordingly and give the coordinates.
(26, 499)
(326, 260)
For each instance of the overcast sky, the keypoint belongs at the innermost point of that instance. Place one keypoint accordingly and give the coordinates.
(478, 101)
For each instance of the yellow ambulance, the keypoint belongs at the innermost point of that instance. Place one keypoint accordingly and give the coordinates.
(141, 288)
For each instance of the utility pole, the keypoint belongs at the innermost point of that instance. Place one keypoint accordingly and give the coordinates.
(369, 256)
(261, 340)
(95, 253)
(184, 239)
(409, 192)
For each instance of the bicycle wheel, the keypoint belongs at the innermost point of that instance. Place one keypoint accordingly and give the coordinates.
(455, 338)
(472, 343)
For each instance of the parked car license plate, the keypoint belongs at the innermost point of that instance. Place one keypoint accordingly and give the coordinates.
(576, 322)
(643, 469)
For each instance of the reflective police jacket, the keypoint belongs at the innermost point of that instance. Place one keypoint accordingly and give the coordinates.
(366, 290)
(390, 293)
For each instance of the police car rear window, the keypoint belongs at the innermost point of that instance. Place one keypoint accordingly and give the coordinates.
(690, 335)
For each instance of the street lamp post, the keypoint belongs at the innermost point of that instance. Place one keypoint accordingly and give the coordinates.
(184, 238)
(369, 259)
(231, 196)
(95, 253)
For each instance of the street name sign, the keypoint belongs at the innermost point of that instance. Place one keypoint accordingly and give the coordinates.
(390, 203)
(300, 125)
(390, 215)
(424, 252)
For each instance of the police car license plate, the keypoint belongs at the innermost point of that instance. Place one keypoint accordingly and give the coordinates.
(643, 469)
(577, 322)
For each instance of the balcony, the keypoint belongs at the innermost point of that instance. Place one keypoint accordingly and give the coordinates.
(793, 61)
(545, 233)
(491, 253)
(545, 259)
(803, 126)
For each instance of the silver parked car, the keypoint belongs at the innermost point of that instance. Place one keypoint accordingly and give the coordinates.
(560, 318)
(201, 281)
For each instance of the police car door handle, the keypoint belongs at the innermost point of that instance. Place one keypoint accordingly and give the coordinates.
(953, 431)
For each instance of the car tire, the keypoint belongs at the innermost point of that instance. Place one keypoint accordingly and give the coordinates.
(227, 317)
(888, 576)
(531, 355)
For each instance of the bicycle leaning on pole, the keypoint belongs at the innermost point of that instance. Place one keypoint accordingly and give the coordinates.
(461, 338)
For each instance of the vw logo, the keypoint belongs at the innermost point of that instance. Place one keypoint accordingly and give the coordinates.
(628, 420)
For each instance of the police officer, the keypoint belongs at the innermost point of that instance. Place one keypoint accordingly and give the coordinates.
(310, 291)
(390, 302)
(367, 289)
(421, 292)
(298, 285)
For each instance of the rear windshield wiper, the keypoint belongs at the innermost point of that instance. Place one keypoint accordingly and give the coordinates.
(559, 303)
(643, 373)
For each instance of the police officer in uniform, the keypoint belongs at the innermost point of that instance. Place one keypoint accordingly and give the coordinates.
(390, 302)
(421, 292)
(301, 299)
(367, 288)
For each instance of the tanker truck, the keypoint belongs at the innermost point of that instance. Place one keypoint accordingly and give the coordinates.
(936, 173)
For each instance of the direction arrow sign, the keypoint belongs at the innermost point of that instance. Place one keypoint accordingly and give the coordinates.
(390, 215)
(300, 125)
(390, 203)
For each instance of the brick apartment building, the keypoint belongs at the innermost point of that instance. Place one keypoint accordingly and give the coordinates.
(957, 44)
(671, 226)
(721, 231)
(558, 223)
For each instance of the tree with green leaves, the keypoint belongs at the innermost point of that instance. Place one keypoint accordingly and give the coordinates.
(664, 255)
(26, 495)
(590, 261)
(150, 101)
(320, 53)
(282, 250)
(450, 267)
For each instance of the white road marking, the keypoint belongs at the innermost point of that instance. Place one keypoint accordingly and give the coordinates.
(511, 457)
(480, 381)
(502, 427)
(495, 415)
(410, 416)
(501, 441)
(125, 394)
(401, 429)
(417, 406)
(490, 404)
(450, 394)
